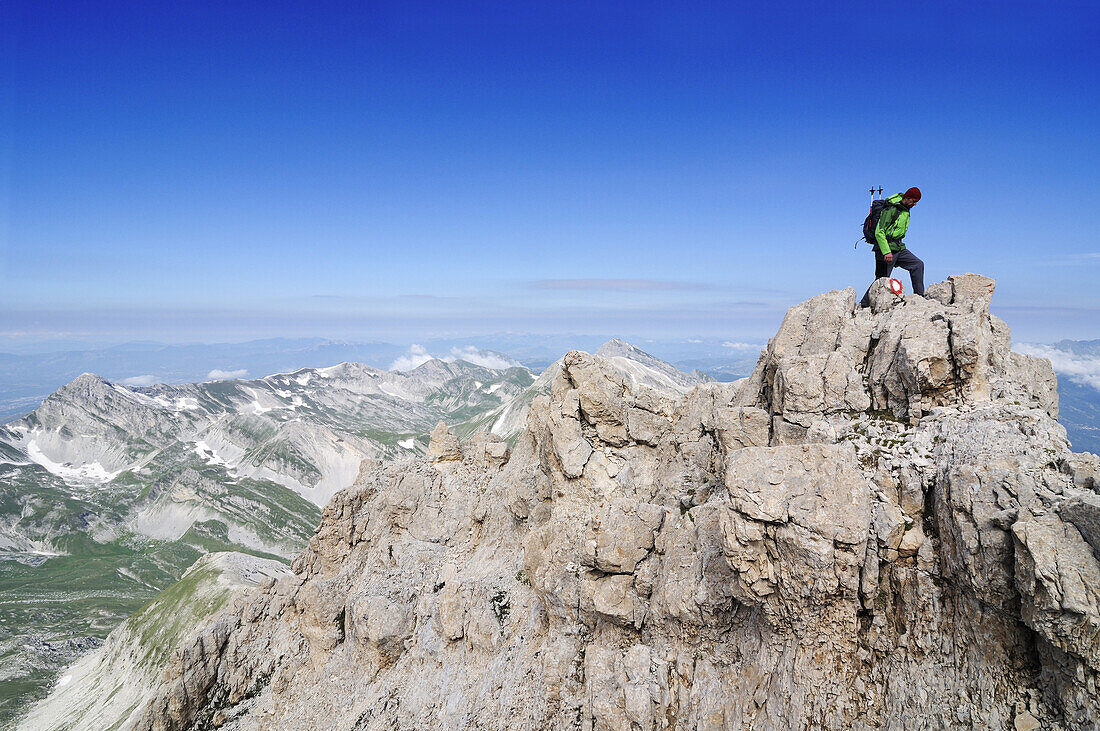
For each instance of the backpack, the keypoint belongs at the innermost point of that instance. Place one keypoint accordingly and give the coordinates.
(871, 221)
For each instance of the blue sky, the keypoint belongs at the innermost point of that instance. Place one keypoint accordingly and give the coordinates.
(219, 171)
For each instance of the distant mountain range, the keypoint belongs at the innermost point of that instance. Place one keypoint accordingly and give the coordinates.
(108, 492)
(30, 378)
(26, 379)
(1079, 347)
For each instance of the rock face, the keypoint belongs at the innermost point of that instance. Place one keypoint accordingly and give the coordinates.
(883, 527)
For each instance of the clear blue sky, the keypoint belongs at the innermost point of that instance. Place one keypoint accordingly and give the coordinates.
(212, 171)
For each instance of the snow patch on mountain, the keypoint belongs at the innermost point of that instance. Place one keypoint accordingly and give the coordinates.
(644, 369)
(218, 448)
(207, 452)
(331, 371)
(270, 404)
(639, 374)
(391, 391)
(90, 472)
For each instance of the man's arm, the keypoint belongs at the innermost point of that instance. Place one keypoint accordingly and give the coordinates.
(880, 231)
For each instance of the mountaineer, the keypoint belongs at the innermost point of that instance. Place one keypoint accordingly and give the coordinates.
(889, 249)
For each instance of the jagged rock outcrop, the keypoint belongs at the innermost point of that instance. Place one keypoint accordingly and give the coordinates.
(443, 446)
(883, 527)
(912, 355)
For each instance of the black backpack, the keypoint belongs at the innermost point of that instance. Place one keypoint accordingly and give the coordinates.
(871, 221)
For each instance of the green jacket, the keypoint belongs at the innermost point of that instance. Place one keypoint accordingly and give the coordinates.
(892, 225)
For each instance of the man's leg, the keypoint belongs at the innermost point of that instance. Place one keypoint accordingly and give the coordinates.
(908, 261)
(882, 269)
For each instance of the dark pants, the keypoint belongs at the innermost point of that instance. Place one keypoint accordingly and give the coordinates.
(905, 259)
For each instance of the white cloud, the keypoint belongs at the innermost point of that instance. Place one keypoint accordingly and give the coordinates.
(139, 381)
(470, 354)
(740, 346)
(1083, 370)
(219, 375)
(417, 355)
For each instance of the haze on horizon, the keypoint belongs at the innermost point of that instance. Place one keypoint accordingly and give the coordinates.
(201, 172)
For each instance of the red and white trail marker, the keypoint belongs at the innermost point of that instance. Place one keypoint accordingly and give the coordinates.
(896, 287)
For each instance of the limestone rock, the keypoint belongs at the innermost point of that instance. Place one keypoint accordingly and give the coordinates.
(882, 527)
(621, 536)
(379, 621)
(614, 597)
(1083, 512)
(911, 541)
(882, 297)
(1059, 580)
(1024, 721)
(1085, 469)
(443, 445)
(489, 449)
(906, 356)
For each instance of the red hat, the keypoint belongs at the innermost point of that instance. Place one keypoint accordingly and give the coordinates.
(913, 193)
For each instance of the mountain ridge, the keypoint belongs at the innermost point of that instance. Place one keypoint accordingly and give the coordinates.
(884, 526)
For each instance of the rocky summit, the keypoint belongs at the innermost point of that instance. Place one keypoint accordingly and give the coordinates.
(883, 527)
